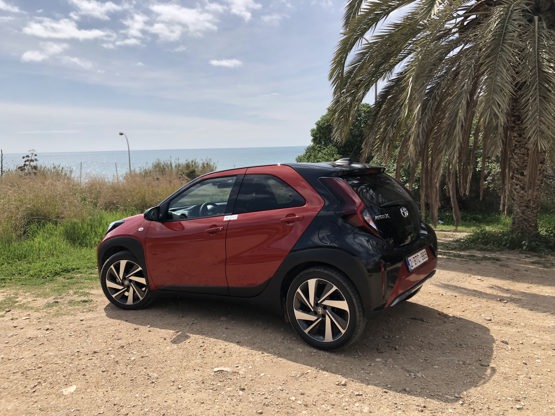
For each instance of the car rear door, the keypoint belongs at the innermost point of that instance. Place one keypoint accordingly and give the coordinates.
(274, 207)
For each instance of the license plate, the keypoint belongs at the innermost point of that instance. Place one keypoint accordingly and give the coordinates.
(417, 259)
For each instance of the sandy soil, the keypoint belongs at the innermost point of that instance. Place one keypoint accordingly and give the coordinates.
(479, 339)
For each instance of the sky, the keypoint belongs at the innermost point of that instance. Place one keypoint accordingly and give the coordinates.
(169, 74)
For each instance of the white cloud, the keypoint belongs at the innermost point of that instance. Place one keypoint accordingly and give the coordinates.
(33, 56)
(73, 61)
(41, 132)
(243, 8)
(180, 49)
(172, 19)
(52, 48)
(136, 25)
(214, 7)
(48, 50)
(273, 19)
(226, 63)
(47, 28)
(8, 7)
(322, 3)
(133, 34)
(167, 32)
(94, 8)
(128, 42)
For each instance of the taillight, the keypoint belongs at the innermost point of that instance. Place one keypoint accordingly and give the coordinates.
(354, 210)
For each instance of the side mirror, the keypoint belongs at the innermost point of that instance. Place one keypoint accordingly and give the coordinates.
(152, 214)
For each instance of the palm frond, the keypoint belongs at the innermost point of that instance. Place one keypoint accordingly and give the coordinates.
(537, 97)
(499, 38)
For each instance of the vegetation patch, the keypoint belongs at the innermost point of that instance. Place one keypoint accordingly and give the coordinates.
(50, 223)
(506, 240)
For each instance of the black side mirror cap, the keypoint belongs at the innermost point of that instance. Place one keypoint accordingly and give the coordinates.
(152, 214)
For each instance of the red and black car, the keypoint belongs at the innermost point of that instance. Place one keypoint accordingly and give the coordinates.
(324, 244)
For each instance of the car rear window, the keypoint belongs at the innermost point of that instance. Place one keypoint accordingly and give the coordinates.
(391, 206)
(379, 190)
(266, 192)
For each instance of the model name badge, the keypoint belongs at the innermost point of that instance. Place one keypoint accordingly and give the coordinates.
(382, 217)
(230, 217)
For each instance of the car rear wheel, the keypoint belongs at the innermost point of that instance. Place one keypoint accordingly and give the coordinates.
(324, 308)
(124, 282)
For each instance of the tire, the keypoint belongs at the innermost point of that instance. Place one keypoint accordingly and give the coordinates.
(324, 308)
(124, 281)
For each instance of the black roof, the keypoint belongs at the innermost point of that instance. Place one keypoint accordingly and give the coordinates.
(335, 168)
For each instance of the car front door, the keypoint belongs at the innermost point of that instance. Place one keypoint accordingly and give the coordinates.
(187, 248)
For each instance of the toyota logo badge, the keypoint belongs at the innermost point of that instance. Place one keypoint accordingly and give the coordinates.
(404, 212)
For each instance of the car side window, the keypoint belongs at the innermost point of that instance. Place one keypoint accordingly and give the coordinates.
(266, 192)
(204, 199)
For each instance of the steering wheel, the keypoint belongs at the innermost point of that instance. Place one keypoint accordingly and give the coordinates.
(205, 208)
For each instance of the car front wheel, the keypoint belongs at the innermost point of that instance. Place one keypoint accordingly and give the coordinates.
(324, 308)
(124, 282)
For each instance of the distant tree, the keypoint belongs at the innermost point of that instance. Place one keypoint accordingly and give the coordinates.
(30, 163)
(323, 147)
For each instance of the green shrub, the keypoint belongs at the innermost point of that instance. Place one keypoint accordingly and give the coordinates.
(184, 171)
(506, 240)
(89, 231)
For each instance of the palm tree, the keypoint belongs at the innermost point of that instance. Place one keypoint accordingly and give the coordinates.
(466, 81)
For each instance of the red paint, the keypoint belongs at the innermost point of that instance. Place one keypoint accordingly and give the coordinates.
(407, 280)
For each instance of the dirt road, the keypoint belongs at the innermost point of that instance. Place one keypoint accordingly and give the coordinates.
(479, 339)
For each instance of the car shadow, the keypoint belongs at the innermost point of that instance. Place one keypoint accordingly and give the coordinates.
(532, 301)
(411, 349)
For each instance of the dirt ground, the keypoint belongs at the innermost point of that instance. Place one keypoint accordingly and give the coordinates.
(479, 339)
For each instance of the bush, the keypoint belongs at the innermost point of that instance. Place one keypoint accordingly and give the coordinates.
(52, 195)
(134, 194)
(183, 171)
(88, 232)
(144, 188)
(506, 240)
(46, 197)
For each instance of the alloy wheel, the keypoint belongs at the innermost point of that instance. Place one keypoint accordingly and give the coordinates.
(126, 283)
(321, 310)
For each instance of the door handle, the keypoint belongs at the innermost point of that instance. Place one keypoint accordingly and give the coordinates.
(213, 229)
(291, 218)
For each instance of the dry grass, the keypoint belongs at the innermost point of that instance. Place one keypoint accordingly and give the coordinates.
(52, 195)
(48, 196)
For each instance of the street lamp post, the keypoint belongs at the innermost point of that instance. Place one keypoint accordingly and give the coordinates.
(121, 133)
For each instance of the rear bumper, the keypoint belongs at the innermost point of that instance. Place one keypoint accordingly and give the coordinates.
(407, 294)
(409, 282)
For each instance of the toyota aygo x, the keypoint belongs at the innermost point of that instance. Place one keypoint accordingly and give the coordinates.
(325, 244)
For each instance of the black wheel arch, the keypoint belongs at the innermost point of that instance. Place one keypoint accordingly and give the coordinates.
(108, 248)
(368, 283)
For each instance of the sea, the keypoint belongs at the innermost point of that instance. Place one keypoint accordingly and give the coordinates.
(115, 164)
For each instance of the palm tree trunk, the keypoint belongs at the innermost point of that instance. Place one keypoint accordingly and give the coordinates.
(527, 171)
(452, 181)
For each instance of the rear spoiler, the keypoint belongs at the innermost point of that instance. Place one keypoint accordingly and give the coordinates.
(356, 168)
